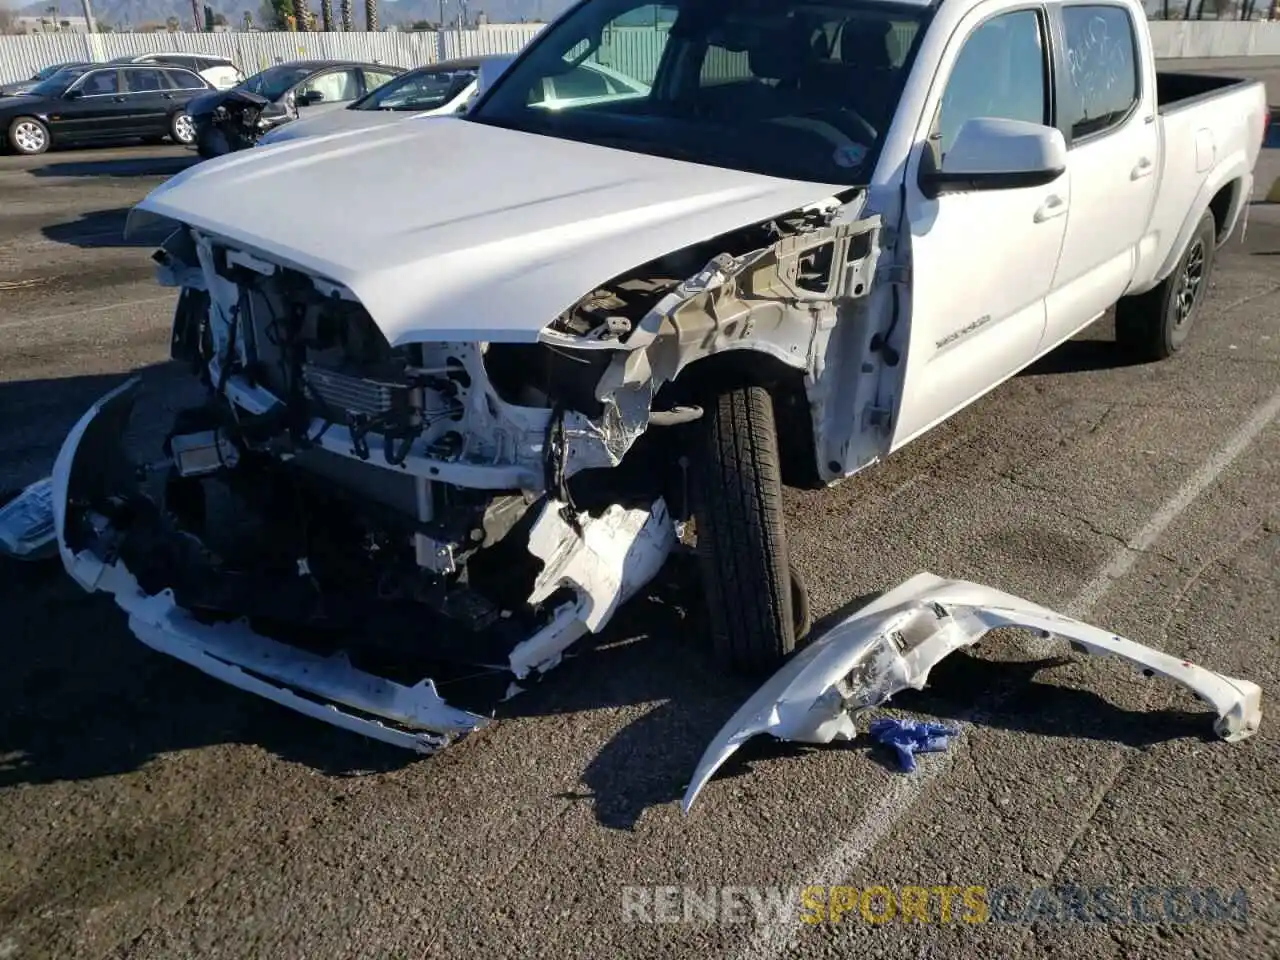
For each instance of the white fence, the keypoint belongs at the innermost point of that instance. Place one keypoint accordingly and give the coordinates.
(22, 56)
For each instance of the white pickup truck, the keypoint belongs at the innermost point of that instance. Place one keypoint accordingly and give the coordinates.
(469, 380)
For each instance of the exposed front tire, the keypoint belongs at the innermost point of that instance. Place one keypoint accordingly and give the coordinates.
(211, 143)
(1154, 325)
(28, 136)
(741, 544)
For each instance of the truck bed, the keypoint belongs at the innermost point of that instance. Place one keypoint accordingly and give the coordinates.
(1177, 90)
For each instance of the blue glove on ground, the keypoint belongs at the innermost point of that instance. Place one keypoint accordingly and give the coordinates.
(909, 737)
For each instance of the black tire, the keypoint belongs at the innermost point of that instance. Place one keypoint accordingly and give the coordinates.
(28, 136)
(211, 143)
(1154, 325)
(736, 491)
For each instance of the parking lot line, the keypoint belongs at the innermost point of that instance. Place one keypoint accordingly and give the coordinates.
(772, 939)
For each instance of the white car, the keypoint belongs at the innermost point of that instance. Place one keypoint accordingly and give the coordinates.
(466, 378)
(450, 87)
(221, 72)
(442, 88)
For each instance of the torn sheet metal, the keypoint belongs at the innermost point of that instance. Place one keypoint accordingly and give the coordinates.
(893, 643)
(324, 688)
(26, 524)
(605, 560)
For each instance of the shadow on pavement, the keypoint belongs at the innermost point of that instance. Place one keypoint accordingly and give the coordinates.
(142, 166)
(1015, 700)
(1081, 356)
(105, 228)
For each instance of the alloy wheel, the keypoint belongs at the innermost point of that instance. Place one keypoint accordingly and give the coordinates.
(29, 136)
(184, 130)
(1189, 283)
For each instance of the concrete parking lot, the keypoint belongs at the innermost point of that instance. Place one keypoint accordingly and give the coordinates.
(147, 811)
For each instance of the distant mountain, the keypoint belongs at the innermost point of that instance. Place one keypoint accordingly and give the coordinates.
(133, 13)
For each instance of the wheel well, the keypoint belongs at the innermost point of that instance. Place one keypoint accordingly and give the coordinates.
(1220, 207)
(792, 417)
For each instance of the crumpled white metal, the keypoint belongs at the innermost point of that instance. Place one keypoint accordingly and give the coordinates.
(612, 557)
(892, 644)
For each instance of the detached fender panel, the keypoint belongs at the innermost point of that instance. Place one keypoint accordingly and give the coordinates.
(893, 643)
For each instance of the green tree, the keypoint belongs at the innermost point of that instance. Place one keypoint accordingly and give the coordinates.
(283, 15)
(348, 21)
(371, 14)
(326, 14)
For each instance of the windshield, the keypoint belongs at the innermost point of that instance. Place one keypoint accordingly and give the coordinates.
(418, 91)
(803, 90)
(56, 85)
(274, 81)
(49, 71)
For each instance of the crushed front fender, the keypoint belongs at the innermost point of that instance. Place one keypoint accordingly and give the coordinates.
(892, 644)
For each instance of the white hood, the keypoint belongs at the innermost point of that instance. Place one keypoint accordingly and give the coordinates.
(332, 121)
(448, 229)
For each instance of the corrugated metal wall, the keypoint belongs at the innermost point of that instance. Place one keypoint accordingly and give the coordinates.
(633, 50)
(22, 56)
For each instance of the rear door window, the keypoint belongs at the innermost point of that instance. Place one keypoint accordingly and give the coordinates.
(373, 79)
(185, 80)
(145, 80)
(1102, 68)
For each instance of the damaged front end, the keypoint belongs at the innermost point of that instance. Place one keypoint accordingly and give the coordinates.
(288, 613)
(892, 644)
(238, 122)
(341, 511)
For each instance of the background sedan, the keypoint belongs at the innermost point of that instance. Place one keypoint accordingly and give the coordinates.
(99, 102)
(441, 88)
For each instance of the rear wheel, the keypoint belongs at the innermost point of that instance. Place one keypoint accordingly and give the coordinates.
(736, 488)
(1154, 325)
(181, 129)
(29, 136)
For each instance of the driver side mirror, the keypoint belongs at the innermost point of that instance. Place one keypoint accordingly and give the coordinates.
(990, 153)
(309, 97)
(73, 94)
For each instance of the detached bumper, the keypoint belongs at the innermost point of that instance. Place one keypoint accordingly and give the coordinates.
(892, 644)
(326, 688)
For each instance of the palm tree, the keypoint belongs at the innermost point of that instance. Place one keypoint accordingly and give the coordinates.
(347, 19)
(371, 14)
(326, 14)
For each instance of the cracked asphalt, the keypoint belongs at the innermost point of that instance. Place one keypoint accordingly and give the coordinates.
(147, 811)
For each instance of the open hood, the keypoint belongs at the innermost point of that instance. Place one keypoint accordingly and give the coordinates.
(448, 229)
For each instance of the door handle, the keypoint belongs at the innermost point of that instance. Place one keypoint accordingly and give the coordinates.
(1054, 206)
(118, 99)
(1144, 169)
(168, 96)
